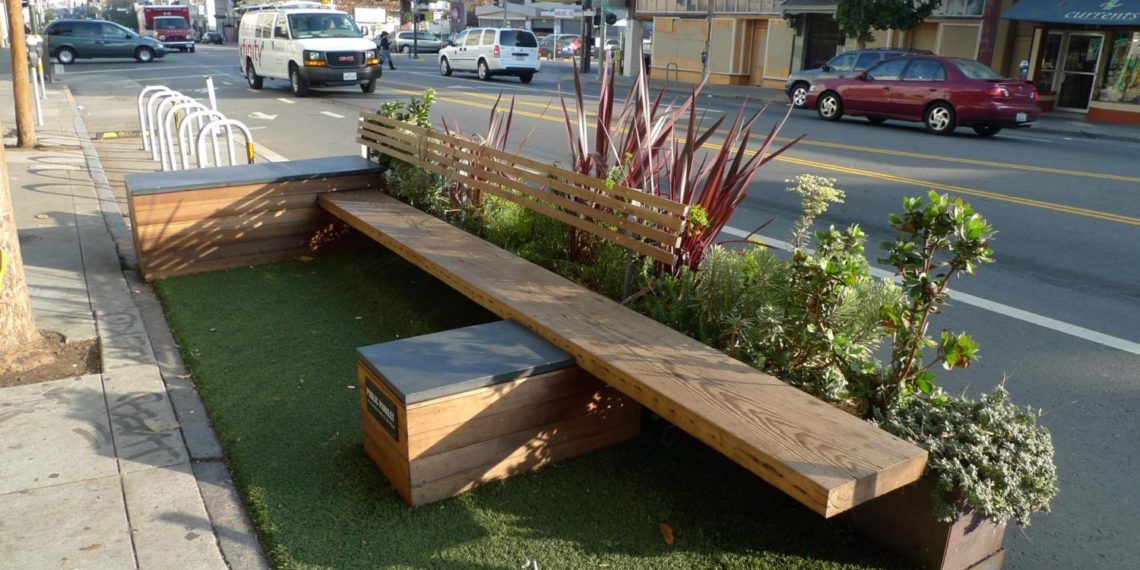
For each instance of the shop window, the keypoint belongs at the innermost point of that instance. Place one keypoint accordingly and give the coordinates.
(1122, 76)
(1049, 61)
(960, 8)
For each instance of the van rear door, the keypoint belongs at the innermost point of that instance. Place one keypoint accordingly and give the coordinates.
(520, 48)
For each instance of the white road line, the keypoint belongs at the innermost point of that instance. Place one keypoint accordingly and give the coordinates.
(332, 114)
(268, 154)
(994, 307)
(284, 100)
(132, 69)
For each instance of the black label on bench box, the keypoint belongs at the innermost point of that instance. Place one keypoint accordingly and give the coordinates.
(382, 409)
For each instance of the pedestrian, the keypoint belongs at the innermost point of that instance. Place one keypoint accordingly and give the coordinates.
(386, 50)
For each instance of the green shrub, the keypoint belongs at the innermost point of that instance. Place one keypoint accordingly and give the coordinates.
(989, 455)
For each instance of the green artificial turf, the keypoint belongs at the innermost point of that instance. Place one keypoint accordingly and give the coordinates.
(271, 349)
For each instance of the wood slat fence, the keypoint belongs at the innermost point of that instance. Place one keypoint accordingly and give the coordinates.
(644, 223)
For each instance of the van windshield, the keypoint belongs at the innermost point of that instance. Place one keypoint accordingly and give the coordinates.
(512, 38)
(170, 23)
(322, 26)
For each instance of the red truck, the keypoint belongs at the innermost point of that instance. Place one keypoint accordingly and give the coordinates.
(167, 24)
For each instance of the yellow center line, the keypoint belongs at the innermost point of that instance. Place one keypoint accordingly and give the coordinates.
(1085, 212)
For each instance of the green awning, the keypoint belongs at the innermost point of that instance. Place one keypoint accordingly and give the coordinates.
(808, 7)
(1085, 12)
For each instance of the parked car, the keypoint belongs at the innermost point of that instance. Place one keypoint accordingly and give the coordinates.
(843, 65)
(556, 46)
(942, 92)
(423, 42)
(212, 38)
(492, 51)
(69, 40)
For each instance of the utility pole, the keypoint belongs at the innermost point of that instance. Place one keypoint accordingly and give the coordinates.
(587, 33)
(503, 3)
(415, 31)
(21, 82)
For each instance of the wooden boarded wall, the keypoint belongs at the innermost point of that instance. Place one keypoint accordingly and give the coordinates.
(203, 220)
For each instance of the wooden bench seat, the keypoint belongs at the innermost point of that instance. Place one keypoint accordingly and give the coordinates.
(823, 457)
(215, 218)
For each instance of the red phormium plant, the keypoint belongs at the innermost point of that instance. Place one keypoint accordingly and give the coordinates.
(498, 131)
(650, 155)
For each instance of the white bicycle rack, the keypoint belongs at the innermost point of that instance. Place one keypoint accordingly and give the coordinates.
(168, 120)
(225, 123)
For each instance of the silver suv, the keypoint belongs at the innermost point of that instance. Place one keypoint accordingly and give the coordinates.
(840, 66)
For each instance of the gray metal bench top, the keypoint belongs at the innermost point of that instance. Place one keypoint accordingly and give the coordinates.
(245, 174)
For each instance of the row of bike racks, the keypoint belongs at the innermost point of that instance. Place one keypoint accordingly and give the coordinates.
(175, 129)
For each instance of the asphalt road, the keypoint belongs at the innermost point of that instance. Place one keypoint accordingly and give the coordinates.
(1056, 316)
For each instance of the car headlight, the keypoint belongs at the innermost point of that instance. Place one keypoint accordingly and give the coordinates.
(370, 57)
(314, 59)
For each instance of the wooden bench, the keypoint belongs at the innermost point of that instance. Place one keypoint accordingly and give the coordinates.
(823, 457)
(445, 412)
(215, 218)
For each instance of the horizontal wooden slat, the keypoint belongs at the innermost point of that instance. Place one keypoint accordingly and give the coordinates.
(643, 248)
(823, 457)
(172, 267)
(472, 165)
(676, 208)
(251, 195)
(208, 226)
(201, 209)
(591, 193)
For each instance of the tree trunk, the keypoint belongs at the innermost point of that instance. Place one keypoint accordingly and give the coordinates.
(19, 340)
(21, 82)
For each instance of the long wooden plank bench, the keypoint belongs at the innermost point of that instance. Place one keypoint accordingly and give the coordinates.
(823, 457)
(216, 218)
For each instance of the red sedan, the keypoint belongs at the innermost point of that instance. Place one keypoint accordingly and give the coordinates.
(943, 92)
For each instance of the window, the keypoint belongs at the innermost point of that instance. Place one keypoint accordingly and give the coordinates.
(87, 30)
(460, 39)
(924, 70)
(113, 31)
(975, 70)
(473, 38)
(170, 23)
(264, 25)
(281, 30)
(64, 29)
(1122, 76)
(488, 37)
(866, 60)
(844, 62)
(888, 70)
(322, 25)
(514, 38)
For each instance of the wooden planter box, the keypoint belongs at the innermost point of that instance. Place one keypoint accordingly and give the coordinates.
(903, 521)
(446, 412)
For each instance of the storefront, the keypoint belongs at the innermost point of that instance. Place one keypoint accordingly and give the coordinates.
(1085, 56)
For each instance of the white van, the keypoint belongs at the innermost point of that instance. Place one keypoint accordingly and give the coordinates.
(492, 51)
(306, 47)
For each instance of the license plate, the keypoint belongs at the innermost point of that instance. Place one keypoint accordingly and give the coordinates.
(520, 58)
(1022, 117)
(350, 76)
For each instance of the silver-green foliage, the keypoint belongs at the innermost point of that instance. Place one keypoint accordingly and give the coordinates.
(989, 455)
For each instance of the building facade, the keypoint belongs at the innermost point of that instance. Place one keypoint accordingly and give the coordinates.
(759, 42)
(1084, 55)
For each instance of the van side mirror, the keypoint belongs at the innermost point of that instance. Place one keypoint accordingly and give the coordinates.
(825, 67)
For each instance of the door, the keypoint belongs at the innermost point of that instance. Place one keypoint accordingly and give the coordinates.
(469, 49)
(520, 48)
(280, 48)
(872, 96)
(1082, 54)
(89, 39)
(922, 81)
(822, 39)
(116, 41)
(1050, 59)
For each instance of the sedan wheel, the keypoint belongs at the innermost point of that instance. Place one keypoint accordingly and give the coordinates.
(444, 67)
(144, 55)
(940, 119)
(830, 107)
(987, 130)
(799, 95)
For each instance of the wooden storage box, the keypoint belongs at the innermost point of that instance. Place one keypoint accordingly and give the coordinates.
(446, 412)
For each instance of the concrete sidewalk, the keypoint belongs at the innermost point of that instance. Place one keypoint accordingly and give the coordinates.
(119, 469)
(1058, 123)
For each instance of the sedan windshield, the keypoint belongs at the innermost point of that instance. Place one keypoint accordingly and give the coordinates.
(322, 26)
(976, 70)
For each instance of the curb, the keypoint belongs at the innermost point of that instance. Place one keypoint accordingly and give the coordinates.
(236, 537)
